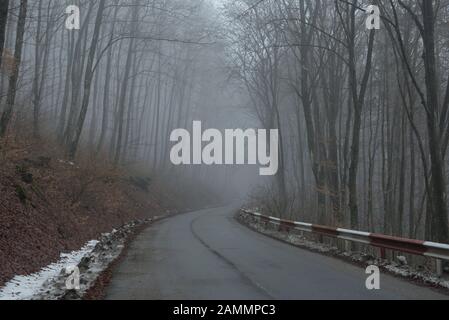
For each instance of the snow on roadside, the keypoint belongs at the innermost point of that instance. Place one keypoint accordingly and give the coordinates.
(26, 287)
(91, 261)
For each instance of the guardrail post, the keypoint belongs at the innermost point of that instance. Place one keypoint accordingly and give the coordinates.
(348, 246)
(439, 267)
(383, 253)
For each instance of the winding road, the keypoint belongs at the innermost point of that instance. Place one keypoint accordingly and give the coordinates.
(208, 255)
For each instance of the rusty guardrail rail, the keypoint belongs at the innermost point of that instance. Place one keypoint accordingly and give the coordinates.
(435, 250)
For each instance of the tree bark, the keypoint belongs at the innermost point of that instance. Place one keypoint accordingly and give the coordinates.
(4, 6)
(73, 146)
(11, 95)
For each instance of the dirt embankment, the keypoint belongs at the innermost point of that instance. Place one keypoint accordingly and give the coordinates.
(49, 205)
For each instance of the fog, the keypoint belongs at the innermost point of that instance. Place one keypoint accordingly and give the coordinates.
(359, 96)
(157, 66)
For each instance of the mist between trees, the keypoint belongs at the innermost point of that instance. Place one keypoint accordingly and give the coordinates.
(118, 86)
(362, 114)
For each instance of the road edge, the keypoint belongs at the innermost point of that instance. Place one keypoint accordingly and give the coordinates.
(345, 258)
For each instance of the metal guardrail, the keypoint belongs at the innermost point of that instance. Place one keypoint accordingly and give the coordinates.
(435, 250)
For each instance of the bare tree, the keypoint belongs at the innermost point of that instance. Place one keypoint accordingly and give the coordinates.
(4, 6)
(11, 95)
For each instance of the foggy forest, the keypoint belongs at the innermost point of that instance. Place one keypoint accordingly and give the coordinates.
(362, 113)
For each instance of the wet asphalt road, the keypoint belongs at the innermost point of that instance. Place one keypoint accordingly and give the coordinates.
(208, 255)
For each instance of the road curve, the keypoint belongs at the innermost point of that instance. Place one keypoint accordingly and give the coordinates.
(208, 255)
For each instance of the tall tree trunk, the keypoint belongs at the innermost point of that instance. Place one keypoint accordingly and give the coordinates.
(66, 95)
(11, 96)
(440, 229)
(73, 146)
(107, 87)
(358, 98)
(4, 6)
(124, 89)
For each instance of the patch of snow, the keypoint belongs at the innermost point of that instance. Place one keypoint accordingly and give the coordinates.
(402, 260)
(91, 261)
(26, 287)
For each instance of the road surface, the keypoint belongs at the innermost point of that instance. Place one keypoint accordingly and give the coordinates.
(209, 255)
